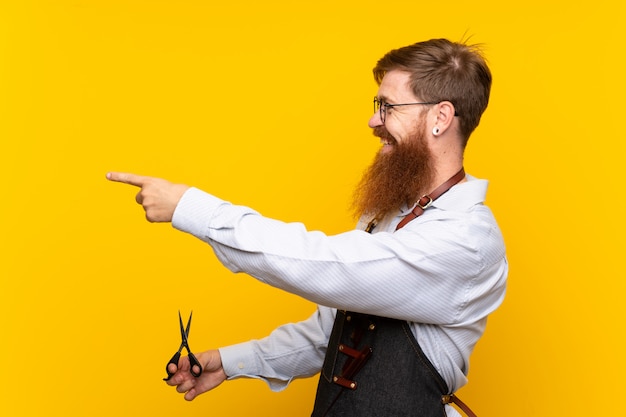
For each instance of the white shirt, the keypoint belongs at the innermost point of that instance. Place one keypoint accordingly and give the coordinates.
(444, 273)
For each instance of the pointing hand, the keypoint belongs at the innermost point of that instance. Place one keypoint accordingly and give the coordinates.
(158, 197)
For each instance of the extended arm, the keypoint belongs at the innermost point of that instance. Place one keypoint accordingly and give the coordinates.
(428, 272)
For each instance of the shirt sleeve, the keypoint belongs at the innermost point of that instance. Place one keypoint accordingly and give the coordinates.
(291, 351)
(446, 267)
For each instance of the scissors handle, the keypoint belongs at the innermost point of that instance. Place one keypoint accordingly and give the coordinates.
(174, 360)
(193, 361)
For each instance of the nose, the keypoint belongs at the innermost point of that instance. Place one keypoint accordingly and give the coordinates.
(375, 120)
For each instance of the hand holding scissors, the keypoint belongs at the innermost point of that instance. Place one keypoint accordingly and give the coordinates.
(194, 365)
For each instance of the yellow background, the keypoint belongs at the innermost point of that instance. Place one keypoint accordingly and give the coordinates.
(265, 103)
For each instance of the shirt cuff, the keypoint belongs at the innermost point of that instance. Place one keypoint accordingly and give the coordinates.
(239, 361)
(194, 211)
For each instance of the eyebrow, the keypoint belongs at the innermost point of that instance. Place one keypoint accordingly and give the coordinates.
(386, 99)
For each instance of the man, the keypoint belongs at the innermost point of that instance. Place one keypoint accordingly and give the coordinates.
(403, 299)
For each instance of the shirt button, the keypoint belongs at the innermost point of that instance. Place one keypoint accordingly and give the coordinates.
(240, 365)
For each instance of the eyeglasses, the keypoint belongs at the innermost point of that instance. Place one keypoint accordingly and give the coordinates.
(381, 107)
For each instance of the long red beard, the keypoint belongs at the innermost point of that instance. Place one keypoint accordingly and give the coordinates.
(397, 178)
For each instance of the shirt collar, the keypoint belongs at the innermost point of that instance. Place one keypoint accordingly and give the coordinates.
(460, 197)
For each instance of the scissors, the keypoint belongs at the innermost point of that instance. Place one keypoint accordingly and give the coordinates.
(193, 361)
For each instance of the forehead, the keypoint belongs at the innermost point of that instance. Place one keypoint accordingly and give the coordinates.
(395, 87)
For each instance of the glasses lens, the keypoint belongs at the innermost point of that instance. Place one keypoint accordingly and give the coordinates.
(380, 108)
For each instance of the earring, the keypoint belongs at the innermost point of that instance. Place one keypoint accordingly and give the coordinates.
(435, 131)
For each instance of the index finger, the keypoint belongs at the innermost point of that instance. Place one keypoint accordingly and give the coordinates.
(127, 178)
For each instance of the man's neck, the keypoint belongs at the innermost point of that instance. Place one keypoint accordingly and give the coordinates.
(444, 173)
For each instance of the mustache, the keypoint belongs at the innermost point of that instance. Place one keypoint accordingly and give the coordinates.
(382, 132)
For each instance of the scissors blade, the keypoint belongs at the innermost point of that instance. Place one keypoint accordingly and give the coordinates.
(188, 324)
(184, 332)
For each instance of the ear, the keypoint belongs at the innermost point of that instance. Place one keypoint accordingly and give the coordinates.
(444, 116)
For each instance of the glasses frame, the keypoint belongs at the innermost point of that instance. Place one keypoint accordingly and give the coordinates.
(381, 107)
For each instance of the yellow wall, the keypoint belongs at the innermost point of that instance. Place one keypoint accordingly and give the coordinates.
(265, 103)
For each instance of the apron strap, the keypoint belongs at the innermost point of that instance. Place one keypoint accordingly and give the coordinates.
(447, 399)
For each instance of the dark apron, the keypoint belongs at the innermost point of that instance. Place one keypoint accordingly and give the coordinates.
(374, 366)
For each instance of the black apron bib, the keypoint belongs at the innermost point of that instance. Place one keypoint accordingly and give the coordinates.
(375, 367)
